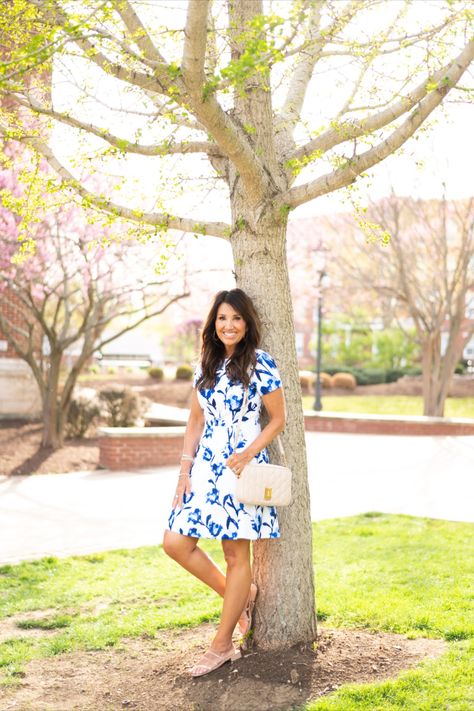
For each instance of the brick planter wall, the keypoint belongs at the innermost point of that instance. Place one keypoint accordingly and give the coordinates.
(386, 424)
(139, 447)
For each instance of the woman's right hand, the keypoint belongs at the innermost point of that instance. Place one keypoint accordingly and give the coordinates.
(183, 487)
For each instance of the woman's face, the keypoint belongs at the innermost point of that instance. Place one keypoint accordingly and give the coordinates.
(230, 327)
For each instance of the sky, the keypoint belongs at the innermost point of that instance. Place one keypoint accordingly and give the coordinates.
(444, 153)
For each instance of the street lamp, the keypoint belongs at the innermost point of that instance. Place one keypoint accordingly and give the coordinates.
(319, 264)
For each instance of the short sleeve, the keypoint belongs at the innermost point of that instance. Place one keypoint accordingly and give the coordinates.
(266, 374)
(197, 375)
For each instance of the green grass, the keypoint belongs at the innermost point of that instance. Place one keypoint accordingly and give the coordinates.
(389, 405)
(446, 684)
(377, 572)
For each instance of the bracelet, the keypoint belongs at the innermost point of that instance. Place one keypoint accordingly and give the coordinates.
(187, 458)
(183, 474)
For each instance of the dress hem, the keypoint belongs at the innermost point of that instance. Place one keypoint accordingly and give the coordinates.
(227, 538)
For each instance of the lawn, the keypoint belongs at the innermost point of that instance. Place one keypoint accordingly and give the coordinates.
(389, 405)
(377, 572)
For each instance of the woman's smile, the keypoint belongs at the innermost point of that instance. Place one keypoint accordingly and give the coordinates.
(230, 327)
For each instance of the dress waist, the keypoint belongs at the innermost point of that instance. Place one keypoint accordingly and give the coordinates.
(221, 422)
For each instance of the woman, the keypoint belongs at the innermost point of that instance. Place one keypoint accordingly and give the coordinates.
(204, 505)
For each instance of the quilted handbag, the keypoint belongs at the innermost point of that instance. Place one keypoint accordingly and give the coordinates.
(263, 484)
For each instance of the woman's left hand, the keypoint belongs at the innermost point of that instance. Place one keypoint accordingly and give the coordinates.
(238, 460)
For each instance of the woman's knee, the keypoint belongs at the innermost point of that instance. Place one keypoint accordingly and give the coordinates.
(236, 553)
(177, 546)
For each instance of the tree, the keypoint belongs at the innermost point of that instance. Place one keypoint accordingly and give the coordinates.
(427, 269)
(74, 292)
(230, 84)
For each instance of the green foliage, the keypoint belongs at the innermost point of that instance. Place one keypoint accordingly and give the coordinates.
(351, 343)
(81, 415)
(394, 348)
(156, 373)
(184, 372)
(122, 406)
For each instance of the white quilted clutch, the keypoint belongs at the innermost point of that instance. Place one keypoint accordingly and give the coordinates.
(264, 485)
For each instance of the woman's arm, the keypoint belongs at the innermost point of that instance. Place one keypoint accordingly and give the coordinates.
(275, 406)
(192, 436)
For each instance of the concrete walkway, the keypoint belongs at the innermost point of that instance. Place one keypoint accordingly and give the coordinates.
(82, 512)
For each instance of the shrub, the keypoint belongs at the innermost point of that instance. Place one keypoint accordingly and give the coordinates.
(156, 373)
(94, 369)
(370, 376)
(307, 379)
(184, 372)
(82, 413)
(112, 370)
(326, 381)
(122, 406)
(344, 380)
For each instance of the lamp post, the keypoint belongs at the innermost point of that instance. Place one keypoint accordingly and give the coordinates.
(319, 263)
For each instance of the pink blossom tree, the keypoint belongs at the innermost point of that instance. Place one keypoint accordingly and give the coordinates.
(77, 290)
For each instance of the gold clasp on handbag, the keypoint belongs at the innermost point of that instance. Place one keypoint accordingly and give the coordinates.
(268, 494)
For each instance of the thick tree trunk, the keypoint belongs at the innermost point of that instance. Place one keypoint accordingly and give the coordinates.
(283, 569)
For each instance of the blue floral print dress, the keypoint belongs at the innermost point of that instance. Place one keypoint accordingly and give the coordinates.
(211, 511)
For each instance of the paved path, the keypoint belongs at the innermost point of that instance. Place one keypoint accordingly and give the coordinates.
(81, 512)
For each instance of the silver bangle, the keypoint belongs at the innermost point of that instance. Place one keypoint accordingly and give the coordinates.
(187, 458)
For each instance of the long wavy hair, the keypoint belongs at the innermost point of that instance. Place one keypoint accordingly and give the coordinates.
(243, 360)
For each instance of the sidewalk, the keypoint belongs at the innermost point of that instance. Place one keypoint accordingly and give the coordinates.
(83, 512)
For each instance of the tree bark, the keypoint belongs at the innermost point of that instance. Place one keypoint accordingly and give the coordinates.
(283, 569)
(53, 417)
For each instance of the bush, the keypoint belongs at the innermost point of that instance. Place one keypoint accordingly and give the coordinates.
(307, 379)
(93, 369)
(156, 373)
(81, 415)
(184, 372)
(122, 406)
(326, 380)
(370, 376)
(344, 380)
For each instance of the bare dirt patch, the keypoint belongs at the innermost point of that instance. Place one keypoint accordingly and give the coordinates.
(21, 451)
(20, 442)
(152, 674)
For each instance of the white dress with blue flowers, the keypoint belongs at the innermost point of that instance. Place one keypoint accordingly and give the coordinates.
(211, 510)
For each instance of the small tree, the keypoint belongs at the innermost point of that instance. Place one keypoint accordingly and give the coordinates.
(73, 293)
(425, 264)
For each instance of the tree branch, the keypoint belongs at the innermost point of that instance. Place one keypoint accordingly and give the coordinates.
(348, 130)
(139, 32)
(158, 219)
(347, 174)
(195, 42)
(157, 149)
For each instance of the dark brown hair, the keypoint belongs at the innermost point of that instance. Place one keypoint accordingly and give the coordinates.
(213, 350)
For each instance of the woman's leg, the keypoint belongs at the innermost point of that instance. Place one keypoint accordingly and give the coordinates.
(237, 586)
(185, 551)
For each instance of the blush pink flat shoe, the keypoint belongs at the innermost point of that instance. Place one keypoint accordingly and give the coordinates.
(245, 621)
(213, 660)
